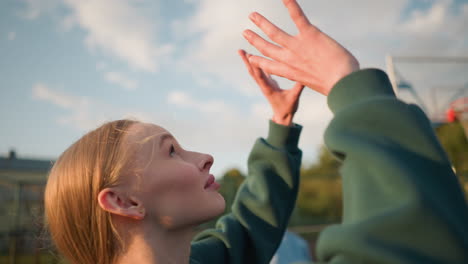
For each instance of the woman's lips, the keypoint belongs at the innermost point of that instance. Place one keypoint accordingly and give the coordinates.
(211, 184)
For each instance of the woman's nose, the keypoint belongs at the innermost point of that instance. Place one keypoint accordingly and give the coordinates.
(206, 162)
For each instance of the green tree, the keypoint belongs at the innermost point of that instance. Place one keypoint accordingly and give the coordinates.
(320, 196)
(327, 166)
(230, 183)
(453, 139)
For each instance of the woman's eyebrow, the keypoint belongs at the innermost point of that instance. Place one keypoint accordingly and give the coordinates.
(163, 137)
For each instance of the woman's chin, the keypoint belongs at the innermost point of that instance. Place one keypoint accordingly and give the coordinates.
(218, 207)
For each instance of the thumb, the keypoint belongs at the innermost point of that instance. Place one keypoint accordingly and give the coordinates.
(297, 89)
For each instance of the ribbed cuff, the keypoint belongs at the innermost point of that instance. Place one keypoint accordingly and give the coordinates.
(358, 86)
(284, 136)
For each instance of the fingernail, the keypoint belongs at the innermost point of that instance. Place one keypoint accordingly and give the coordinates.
(253, 16)
(247, 34)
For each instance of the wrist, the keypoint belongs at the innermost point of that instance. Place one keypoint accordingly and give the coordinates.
(351, 66)
(284, 136)
(285, 120)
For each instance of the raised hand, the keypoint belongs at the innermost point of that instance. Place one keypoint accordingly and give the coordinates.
(283, 102)
(311, 57)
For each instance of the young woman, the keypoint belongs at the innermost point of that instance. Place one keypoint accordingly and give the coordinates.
(402, 201)
(128, 192)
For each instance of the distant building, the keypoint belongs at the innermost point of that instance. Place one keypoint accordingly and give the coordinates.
(22, 183)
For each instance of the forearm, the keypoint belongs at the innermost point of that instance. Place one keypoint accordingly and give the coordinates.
(260, 213)
(401, 198)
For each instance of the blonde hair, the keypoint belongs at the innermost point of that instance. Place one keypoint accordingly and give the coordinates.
(80, 229)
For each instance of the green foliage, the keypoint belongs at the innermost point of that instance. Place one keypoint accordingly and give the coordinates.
(320, 199)
(327, 166)
(453, 139)
(230, 183)
(320, 196)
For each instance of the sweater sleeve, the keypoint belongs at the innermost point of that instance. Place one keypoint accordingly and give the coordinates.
(263, 204)
(402, 200)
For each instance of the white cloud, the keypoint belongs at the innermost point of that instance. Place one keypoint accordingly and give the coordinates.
(427, 22)
(212, 34)
(261, 110)
(184, 100)
(81, 112)
(121, 80)
(180, 98)
(101, 66)
(224, 130)
(436, 31)
(77, 106)
(370, 29)
(120, 28)
(220, 32)
(219, 23)
(43, 92)
(36, 8)
(11, 35)
(125, 29)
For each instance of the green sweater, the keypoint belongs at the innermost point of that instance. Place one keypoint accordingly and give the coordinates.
(261, 210)
(402, 201)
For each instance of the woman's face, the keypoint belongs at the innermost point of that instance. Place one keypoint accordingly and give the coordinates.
(174, 185)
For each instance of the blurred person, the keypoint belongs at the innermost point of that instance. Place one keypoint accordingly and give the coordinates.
(402, 200)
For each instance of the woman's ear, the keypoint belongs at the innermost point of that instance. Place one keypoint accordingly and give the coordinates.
(116, 202)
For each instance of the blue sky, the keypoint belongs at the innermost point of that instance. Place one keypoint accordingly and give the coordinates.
(67, 66)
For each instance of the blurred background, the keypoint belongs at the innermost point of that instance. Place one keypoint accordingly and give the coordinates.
(69, 65)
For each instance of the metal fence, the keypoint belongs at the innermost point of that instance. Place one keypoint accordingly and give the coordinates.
(22, 235)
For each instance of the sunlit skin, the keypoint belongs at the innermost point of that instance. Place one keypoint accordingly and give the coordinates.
(167, 193)
(311, 57)
(173, 184)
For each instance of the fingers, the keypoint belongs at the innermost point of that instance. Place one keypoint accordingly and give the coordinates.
(272, 31)
(274, 67)
(262, 75)
(243, 55)
(266, 48)
(257, 74)
(297, 15)
(272, 82)
(297, 89)
(263, 82)
(262, 79)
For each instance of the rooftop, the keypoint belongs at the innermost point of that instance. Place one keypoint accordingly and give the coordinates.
(13, 163)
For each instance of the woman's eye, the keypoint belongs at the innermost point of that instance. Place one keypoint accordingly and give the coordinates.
(172, 151)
